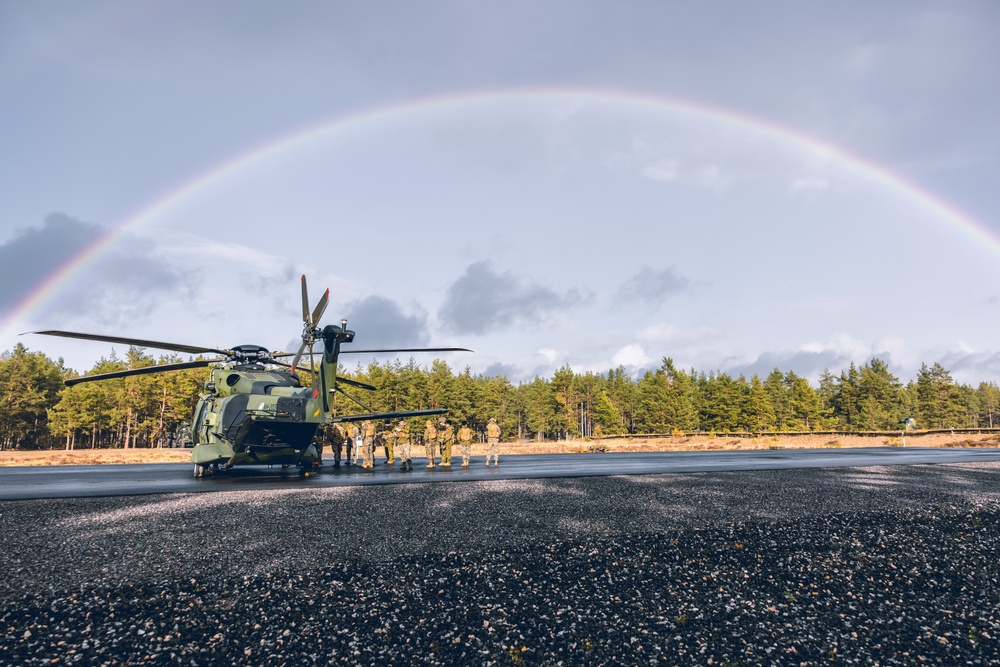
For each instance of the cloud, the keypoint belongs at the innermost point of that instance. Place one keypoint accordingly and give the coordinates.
(803, 362)
(811, 359)
(708, 176)
(551, 356)
(653, 288)
(809, 184)
(714, 177)
(482, 300)
(35, 253)
(971, 367)
(499, 369)
(664, 171)
(118, 287)
(631, 356)
(380, 322)
(668, 333)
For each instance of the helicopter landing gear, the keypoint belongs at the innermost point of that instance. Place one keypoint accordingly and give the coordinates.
(199, 470)
(304, 469)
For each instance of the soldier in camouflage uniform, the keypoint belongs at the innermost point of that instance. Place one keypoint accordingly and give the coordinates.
(388, 442)
(493, 442)
(402, 435)
(368, 438)
(446, 436)
(352, 443)
(430, 442)
(465, 435)
(336, 436)
(320, 440)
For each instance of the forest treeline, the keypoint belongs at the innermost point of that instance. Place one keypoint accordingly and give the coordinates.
(38, 411)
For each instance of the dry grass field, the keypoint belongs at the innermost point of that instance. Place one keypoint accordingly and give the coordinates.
(61, 457)
(672, 444)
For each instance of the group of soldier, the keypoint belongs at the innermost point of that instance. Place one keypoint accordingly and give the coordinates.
(361, 441)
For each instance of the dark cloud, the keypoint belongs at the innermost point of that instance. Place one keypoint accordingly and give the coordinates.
(482, 300)
(806, 364)
(121, 285)
(501, 370)
(380, 322)
(34, 253)
(971, 366)
(653, 288)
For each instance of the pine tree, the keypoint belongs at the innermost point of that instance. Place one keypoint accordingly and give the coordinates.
(804, 408)
(30, 384)
(759, 414)
(567, 420)
(938, 399)
(989, 403)
(878, 397)
(845, 398)
(722, 400)
(777, 394)
(540, 408)
(607, 416)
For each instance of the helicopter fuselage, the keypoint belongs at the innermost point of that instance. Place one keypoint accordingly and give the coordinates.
(254, 415)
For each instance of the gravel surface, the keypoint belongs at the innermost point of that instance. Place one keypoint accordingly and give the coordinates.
(892, 565)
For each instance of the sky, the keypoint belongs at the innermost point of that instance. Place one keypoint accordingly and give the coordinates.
(737, 186)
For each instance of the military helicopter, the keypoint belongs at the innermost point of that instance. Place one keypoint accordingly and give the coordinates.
(255, 409)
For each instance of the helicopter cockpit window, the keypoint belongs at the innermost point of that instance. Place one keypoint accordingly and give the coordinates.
(232, 379)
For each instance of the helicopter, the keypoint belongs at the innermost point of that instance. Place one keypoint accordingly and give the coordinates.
(255, 409)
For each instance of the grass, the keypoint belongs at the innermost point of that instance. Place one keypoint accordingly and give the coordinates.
(61, 457)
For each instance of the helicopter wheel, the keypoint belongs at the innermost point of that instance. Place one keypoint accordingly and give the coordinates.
(304, 470)
(199, 470)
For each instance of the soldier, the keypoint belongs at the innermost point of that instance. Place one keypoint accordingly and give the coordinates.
(388, 436)
(493, 442)
(430, 441)
(378, 441)
(368, 438)
(320, 439)
(336, 437)
(402, 435)
(446, 436)
(465, 444)
(352, 443)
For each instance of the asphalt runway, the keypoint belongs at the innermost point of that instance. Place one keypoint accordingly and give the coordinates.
(36, 482)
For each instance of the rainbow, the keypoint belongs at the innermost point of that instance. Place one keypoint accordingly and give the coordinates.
(413, 110)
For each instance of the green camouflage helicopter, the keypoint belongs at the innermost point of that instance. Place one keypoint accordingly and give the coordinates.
(255, 409)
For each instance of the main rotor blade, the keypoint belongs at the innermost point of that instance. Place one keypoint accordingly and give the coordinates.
(355, 383)
(298, 355)
(305, 302)
(410, 349)
(145, 370)
(391, 415)
(320, 308)
(138, 342)
(402, 349)
(341, 391)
